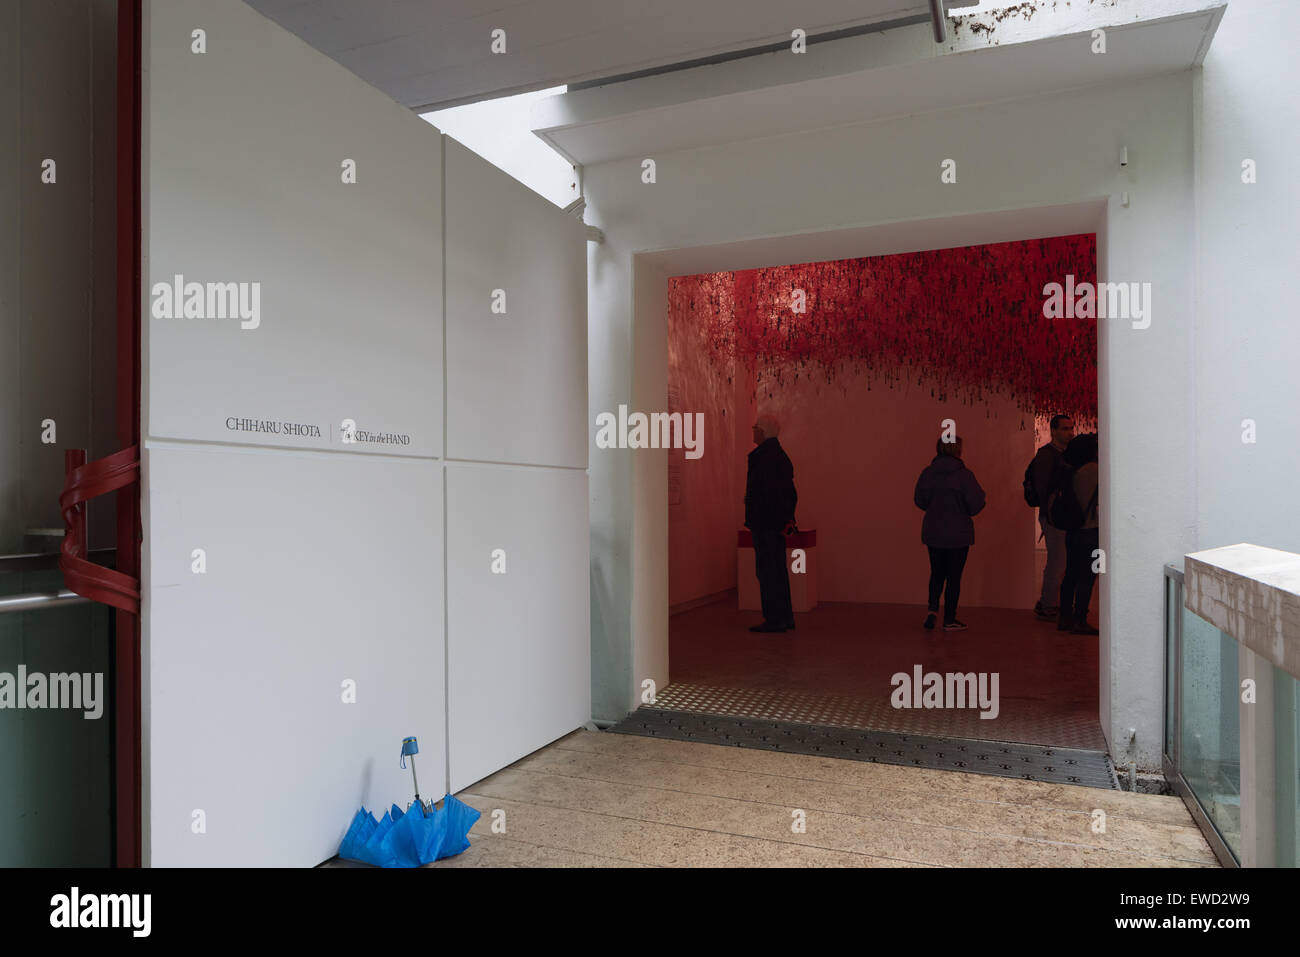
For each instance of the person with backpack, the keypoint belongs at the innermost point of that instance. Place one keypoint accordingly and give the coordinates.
(950, 495)
(1040, 477)
(1073, 506)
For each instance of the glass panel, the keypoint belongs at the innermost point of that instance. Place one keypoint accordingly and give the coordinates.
(1173, 609)
(1211, 759)
(1286, 726)
(55, 783)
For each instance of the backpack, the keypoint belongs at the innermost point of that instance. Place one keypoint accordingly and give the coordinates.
(1063, 508)
(1031, 492)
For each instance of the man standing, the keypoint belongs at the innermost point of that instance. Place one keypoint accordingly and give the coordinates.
(1047, 464)
(1081, 543)
(770, 499)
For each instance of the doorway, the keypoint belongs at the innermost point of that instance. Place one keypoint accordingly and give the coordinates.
(865, 593)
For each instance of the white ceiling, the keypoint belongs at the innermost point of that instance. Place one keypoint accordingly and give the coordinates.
(885, 239)
(876, 76)
(427, 53)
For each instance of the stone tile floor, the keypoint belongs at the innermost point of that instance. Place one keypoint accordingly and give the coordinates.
(593, 799)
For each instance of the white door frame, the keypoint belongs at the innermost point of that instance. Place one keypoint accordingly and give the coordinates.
(650, 271)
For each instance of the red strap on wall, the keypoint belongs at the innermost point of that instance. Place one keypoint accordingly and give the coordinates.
(83, 482)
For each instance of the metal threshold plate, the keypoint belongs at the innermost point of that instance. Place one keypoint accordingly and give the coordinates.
(1029, 762)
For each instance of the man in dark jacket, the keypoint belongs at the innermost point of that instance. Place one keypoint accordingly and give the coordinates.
(770, 499)
(1047, 464)
(1081, 543)
(950, 495)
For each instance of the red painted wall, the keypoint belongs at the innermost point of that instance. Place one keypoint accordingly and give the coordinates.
(861, 406)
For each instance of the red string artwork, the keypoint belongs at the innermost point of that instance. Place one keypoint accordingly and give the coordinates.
(968, 321)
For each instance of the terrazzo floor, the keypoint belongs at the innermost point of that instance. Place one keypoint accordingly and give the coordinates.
(595, 799)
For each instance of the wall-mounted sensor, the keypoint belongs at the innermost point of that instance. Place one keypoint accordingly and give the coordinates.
(1123, 156)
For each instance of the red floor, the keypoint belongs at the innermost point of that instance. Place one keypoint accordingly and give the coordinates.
(836, 669)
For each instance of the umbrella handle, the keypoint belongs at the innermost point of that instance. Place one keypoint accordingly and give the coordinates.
(410, 748)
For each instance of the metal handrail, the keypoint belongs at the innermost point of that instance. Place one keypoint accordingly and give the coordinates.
(38, 601)
(40, 561)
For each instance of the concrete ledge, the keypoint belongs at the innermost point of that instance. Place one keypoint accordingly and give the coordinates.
(1251, 593)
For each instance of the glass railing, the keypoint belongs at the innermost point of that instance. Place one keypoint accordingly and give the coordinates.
(1286, 726)
(56, 718)
(1208, 729)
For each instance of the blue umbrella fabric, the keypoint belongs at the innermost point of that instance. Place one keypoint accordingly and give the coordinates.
(366, 840)
(460, 818)
(410, 838)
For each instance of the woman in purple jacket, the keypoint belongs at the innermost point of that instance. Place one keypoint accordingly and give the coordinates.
(949, 494)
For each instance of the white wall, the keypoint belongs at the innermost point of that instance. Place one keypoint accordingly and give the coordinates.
(312, 578)
(519, 641)
(1248, 248)
(350, 274)
(307, 587)
(516, 390)
(1026, 153)
(327, 562)
(519, 646)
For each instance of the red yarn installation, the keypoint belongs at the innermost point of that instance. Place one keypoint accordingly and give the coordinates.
(968, 321)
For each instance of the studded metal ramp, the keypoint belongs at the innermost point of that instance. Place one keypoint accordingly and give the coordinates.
(1005, 759)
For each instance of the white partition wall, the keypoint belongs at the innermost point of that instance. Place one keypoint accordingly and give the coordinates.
(518, 538)
(324, 578)
(250, 151)
(316, 469)
(281, 681)
(516, 320)
(518, 613)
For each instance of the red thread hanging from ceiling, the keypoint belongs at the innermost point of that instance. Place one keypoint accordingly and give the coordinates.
(968, 320)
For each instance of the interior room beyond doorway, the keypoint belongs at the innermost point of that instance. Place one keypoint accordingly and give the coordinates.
(863, 362)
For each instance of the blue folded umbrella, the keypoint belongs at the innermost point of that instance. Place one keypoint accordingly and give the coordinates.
(460, 818)
(410, 838)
